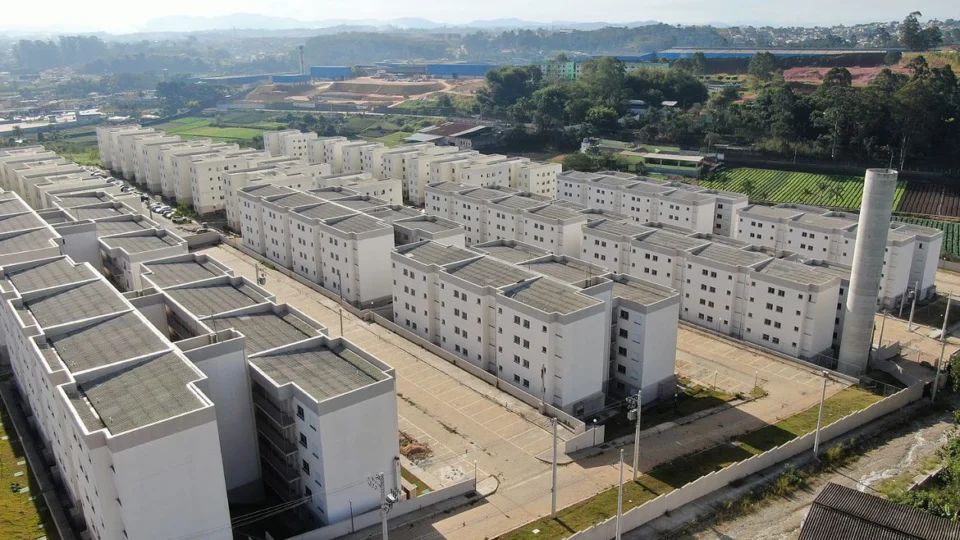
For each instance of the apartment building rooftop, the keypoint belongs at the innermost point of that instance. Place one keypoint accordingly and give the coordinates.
(825, 221)
(435, 253)
(105, 341)
(662, 238)
(550, 296)
(208, 298)
(167, 273)
(428, 223)
(80, 199)
(638, 291)
(614, 182)
(48, 273)
(730, 255)
(265, 329)
(108, 227)
(486, 194)
(489, 272)
(600, 213)
(448, 187)
(579, 175)
(617, 228)
(79, 301)
(689, 197)
(357, 223)
(16, 222)
(27, 240)
(522, 202)
(333, 192)
(773, 212)
(797, 272)
(265, 190)
(564, 269)
(555, 211)
(141, 243)
(645, 189)
(12, 205)
(361, 202)
(321, 371)
(391, 212)
(139, 395)
(297, 198)
(84, 212)
(910, 228)
(324, 211)
(510, 251)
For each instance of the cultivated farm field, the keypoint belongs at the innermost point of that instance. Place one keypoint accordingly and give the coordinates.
(765, 185)
(931, 199)
(195, 128)
(951, 232)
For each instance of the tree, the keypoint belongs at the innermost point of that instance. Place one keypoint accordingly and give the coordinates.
(507, 84)
(915, 38)
(444, 101)
(603, 79)
(550, 107)
(762, 66)
(699, 61)
(17, 133)
(579, 162)
(603, 119)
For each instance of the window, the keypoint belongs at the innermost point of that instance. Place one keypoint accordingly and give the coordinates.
(526, 363)
(622, 351)
(516, 378)
(516, 319)
(516, 359)
(306, 466)
(621, 369)
(623, 333)
(516, 339)
(526, 344)
(526, 383)
(299, 412)
(303, 440)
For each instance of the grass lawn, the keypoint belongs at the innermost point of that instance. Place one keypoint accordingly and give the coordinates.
(20, 517)
(394, 139)
(692, 400)
(675, 474)
(90, 157)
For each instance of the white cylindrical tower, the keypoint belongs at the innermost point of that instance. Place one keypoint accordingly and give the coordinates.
(868, 255)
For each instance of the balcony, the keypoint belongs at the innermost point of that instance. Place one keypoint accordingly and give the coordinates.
(283, 469)
(286, 490)
(272, 411)
(274, 436)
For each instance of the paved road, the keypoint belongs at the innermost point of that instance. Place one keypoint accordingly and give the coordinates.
(464, 419)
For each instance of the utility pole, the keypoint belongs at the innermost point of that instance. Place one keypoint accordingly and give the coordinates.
(340, 288)
(636, 435)
(620, 496)
(823, 397)
(943, 348)
(883, 322)
(387, 500)
(553, 491)
(913, 305)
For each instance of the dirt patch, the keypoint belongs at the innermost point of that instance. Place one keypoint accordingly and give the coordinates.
(386, 88)
(412, 449)
(269, 93)
(862, 76)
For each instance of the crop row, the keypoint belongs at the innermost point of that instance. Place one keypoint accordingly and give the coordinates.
(764, 185)
(951, 232)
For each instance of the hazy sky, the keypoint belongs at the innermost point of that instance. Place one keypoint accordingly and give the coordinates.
(126, 16)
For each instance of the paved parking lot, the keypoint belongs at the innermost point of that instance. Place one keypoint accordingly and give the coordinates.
(465, 421)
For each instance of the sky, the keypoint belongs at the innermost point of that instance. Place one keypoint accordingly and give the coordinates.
(121, 16)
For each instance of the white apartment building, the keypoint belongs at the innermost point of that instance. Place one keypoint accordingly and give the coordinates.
(470, 210)
(306, 256)
(553, 228)
(355, 253)
(110, 146)
(320, 150)
(146, 163)
(537, 178)
(207, 188)
(175, 167)
(364, 183)
(416, 229)
(287, 391)
(911, 254)
(126, 150)
(151, 160)
(294, 144)
(505, 216)
(271, 140)
(123, 254)
(122, 412)
(429, 168)
(646, 199)
(11, 156)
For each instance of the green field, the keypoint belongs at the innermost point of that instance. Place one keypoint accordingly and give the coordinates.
(193, 127)
(23, 515)
(394, 139)
(771, 186)
(951, 233)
